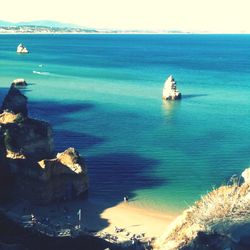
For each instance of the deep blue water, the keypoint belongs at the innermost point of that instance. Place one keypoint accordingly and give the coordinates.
(102, 94)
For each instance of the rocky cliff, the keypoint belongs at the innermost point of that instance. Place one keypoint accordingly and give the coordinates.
(27, 154)
(3, 169)
(61, 178)
(220, 220)
(28, 138)
(15, 102)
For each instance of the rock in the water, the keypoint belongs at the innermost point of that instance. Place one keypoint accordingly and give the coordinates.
(170, 91)
(61, 178)
(246, 175)
(15, 102)
(21, 49)
(19, 82)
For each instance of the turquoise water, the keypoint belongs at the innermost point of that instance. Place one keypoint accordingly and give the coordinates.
(102, 93)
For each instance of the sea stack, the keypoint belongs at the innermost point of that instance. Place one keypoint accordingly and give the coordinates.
(21, 49)
(170, 92)
(19, 82)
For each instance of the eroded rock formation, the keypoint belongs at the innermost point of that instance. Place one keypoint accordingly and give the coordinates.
(61, 178)
(170, 92)
(21, 49)
(27, 154)
(28, 137)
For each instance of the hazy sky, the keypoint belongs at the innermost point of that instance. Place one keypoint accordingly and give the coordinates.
(190, 15)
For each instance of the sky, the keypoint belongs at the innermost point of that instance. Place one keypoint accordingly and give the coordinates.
(187, 15)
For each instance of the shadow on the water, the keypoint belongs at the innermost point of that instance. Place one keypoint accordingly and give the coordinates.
(193, 96)
(124, 174)
(58, 108)
(169, 107)
(31, 84)
(3, 93)
(57, 112)
(112, 175)
(78, 140)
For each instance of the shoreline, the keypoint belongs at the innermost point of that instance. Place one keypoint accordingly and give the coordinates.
(117, 224)
(121, 33)
(146, 223)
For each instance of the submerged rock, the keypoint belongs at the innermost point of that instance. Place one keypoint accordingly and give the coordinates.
(21, 49)
(19, 82)
(170, 91)
(15, 102)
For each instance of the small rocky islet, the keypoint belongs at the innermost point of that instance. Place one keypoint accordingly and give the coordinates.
(170, 91)
(21, 49)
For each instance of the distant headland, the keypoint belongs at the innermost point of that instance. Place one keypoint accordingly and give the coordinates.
(54, 27)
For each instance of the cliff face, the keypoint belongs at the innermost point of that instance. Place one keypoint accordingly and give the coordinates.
(3, 168)
(27, 154)
(61, 178)
(29, 138)
(220, 220)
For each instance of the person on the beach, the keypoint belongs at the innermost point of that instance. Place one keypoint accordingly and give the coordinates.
(125, 198)
(33, 219)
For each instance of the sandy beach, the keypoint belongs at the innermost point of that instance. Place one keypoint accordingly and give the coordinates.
(116, 224)
(136, 220)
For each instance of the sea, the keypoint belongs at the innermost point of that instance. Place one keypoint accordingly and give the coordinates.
(103, 95)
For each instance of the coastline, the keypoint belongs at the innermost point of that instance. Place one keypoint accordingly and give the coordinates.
(97, 219)
(135, 220)
(121, 33)
(101, 33)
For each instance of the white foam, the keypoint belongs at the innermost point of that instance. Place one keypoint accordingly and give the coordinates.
(40, 72)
